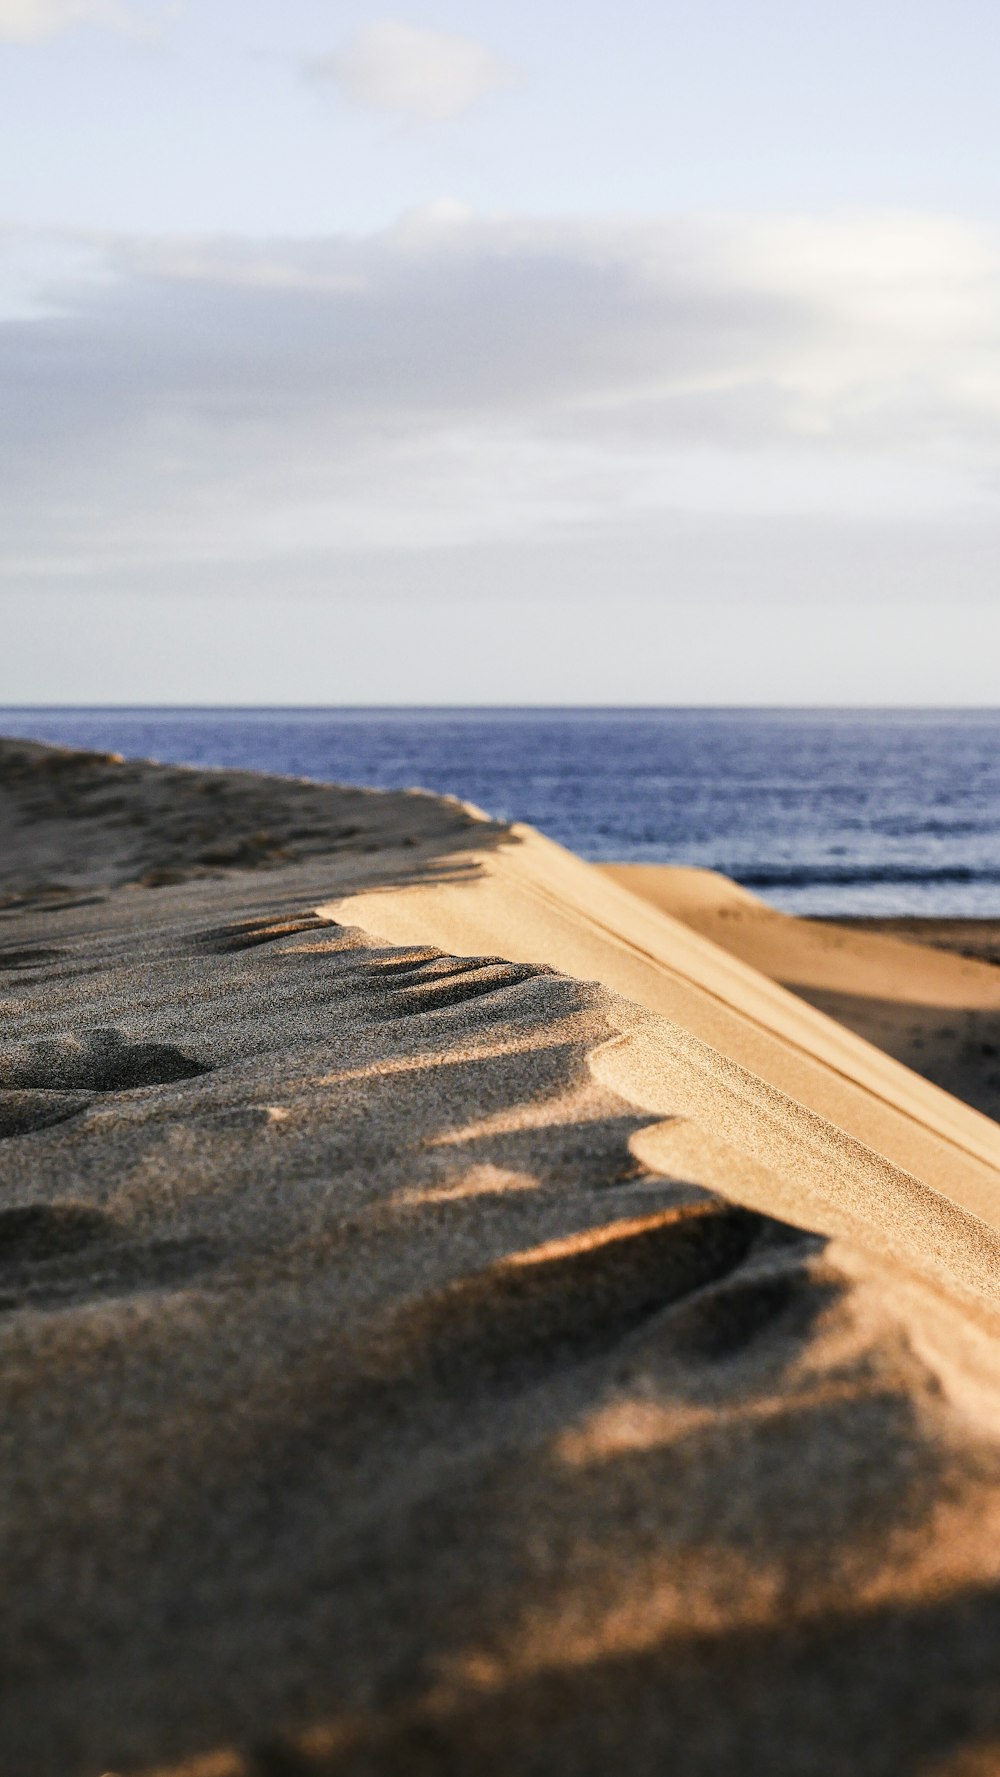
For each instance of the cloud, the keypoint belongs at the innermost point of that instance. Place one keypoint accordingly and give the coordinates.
(35, 21)
(220, 409)
(426, 75)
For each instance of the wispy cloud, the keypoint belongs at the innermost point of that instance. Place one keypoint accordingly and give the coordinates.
(425, 75)
(36, 21)
(454, 382)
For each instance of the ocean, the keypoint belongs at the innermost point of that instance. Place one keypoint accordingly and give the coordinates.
(819, 811)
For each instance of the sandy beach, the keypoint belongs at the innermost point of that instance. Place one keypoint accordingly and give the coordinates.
(468, 1310)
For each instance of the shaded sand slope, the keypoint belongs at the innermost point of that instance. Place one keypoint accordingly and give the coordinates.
(72, 821)
(978, 938)
(934, 1010)
(427, 1362)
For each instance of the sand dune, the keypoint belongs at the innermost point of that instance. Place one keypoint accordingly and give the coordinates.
(535, 902)
(456, 1317)
(907, 986)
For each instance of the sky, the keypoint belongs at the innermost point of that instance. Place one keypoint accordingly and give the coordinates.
(534, 353)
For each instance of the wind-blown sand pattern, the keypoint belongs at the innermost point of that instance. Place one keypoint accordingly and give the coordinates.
(459, 1318)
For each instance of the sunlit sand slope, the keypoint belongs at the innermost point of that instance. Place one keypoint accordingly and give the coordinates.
(932, 1008)
(533, 901)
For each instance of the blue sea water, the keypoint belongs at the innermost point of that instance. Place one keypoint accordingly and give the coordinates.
(822, 811)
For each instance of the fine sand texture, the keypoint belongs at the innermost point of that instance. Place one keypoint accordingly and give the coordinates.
(457, 1318)
(925, 991)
